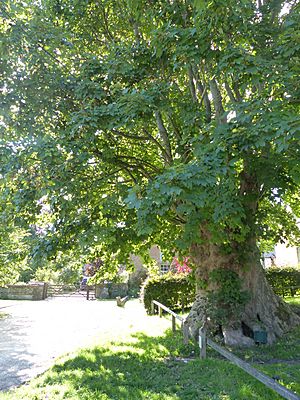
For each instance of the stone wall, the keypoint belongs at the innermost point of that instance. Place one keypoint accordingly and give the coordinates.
(31, 291)
(111, 290)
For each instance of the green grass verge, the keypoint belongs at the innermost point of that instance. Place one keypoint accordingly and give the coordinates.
(154, 364)
(282, 359)
(293, 300)
(147, 367)
(141, 369)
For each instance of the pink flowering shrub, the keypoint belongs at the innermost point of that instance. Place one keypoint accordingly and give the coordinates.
(181, 266)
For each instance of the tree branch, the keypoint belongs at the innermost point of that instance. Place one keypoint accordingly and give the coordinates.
(129, 167)
(237, 93)
(128, 136)
(164, 136)
(202, 89)
(230, 92)
(217, 99)
(162, 149)
(139, 160)
(175, 126)
(106, 23)
(192, 84)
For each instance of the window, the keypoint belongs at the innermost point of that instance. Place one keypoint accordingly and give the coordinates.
(164, 268)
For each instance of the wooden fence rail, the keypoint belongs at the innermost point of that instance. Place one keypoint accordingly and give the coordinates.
(204, 341)
(163, 307)
(266, 380)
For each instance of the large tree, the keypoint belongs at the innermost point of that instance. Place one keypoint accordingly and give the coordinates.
(173, 122)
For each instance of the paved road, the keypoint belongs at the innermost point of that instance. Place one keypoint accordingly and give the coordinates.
(35, 333)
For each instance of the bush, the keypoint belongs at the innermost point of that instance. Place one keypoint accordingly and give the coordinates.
(175, 291)
(285, 281)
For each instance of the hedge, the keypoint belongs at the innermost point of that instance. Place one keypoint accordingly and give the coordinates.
(285, 281)
(175, 291)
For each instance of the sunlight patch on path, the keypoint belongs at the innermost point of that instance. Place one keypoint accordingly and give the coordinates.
(36, 333)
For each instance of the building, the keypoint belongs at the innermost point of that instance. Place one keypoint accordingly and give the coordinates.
(282, 256)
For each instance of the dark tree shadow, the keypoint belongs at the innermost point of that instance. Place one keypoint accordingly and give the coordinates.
(145, 369)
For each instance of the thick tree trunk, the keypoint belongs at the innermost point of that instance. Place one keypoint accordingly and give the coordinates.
(262, 311)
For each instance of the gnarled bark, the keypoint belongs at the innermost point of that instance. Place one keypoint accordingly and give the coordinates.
(263, 311)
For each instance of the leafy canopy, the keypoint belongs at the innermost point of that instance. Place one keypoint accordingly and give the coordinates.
(126, 123)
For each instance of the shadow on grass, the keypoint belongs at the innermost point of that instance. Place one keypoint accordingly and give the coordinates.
(125, 370)
(286, 348)
(143, 369)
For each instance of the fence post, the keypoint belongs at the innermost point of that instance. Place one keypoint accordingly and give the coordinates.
(45, 290)
(152, 308)
(173, 324)
(87, 293)
(202, 342)
(159, 312)
(185, 332)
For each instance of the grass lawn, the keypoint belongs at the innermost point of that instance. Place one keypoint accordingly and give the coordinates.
(293, 300)
(154, 364)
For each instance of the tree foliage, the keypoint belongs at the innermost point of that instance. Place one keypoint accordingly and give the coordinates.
(134, 122)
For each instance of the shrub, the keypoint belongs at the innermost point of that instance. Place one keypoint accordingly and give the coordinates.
(181, 266)
(285, 281)
(176, 291)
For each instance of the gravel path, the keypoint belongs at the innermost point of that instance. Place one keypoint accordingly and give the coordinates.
(35, 333)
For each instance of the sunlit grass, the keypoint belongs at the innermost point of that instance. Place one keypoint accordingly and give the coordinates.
(293, 300)
(141, 370)
(153, 363)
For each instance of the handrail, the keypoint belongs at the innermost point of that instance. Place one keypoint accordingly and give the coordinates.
(168, 310)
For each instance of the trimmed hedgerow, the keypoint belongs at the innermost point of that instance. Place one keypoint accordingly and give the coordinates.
(285, 281)
(175, 291)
